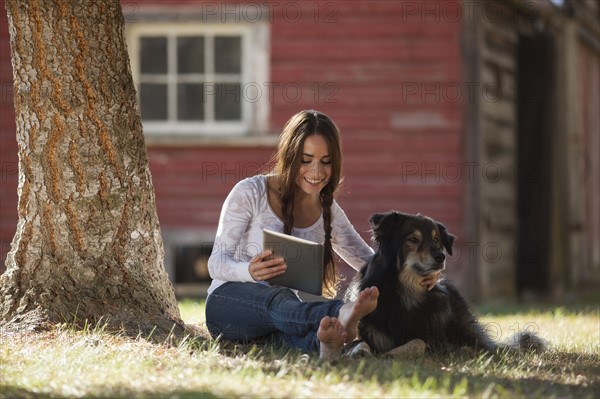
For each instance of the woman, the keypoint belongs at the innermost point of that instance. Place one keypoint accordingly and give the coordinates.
(297, 198)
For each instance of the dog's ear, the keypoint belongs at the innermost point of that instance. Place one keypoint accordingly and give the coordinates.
(447, 238)
(381, 223)
(380, 219)
(376, 219)
(378, 225)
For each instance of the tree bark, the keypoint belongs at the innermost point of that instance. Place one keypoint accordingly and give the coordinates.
(88, 246)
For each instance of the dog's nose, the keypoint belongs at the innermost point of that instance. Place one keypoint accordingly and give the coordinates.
(439, 257)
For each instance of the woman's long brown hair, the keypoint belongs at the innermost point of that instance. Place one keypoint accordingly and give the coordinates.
(287, 165)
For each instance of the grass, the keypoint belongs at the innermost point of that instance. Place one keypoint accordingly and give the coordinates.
(92, 363)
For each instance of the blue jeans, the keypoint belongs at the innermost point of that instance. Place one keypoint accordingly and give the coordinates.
(245, 312)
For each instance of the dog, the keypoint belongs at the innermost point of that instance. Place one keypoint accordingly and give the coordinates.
(410, 247)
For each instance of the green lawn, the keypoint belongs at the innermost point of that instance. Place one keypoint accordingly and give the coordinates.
(69, 363)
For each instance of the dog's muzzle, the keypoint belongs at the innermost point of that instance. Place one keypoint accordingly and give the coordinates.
(439, 258)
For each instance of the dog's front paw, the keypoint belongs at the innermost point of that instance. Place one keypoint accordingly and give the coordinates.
(527, 341)
(414, 348)
(358, 349)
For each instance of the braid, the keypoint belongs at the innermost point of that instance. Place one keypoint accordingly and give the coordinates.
(330, 275)
(287, 209)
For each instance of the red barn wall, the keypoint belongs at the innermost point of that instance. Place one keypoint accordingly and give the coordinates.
(191, 183)
(392, 72)
(387, 74)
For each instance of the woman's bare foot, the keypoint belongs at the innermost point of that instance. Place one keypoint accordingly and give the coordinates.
(332, 335)
(352, 312)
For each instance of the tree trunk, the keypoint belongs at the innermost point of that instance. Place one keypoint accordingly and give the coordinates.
(88, 246)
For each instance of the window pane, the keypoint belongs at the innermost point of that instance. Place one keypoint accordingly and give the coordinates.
(190, 101)
(153, 54)
(190, 54)
(153, 101)
(228, 104)
(228, 54)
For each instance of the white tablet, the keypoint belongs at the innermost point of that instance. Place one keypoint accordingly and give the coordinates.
(304, 260)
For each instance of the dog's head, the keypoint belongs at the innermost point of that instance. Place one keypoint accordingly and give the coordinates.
(415, 242)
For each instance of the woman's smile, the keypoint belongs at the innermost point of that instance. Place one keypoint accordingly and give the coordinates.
(313, 181)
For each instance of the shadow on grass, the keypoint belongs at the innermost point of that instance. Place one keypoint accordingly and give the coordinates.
(459, 373)
(545, 375)
(452, 374)
(11, 392)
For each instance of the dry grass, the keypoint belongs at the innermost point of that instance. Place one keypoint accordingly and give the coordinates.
(94, 363)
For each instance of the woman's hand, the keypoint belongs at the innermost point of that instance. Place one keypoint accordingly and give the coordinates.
(430, 281)
(263, 266)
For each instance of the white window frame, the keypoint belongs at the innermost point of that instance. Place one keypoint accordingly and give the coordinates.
(254, 73)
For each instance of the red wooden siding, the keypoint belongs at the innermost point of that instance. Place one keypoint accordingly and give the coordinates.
(393, 76)
(191, 183)
(382, 73)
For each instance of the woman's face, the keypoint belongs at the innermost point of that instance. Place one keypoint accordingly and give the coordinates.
(315, 165)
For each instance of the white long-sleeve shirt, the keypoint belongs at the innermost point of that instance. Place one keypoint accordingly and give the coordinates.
(246, 212)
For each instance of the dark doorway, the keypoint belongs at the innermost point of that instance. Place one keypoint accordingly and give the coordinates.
(536, 88)
(191, 263)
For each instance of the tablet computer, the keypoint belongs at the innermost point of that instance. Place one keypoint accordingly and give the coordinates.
(304, 260)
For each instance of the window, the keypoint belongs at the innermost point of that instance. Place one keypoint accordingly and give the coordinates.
(200, 78)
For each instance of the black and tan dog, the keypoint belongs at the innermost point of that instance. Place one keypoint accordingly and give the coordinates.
(409, 248)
